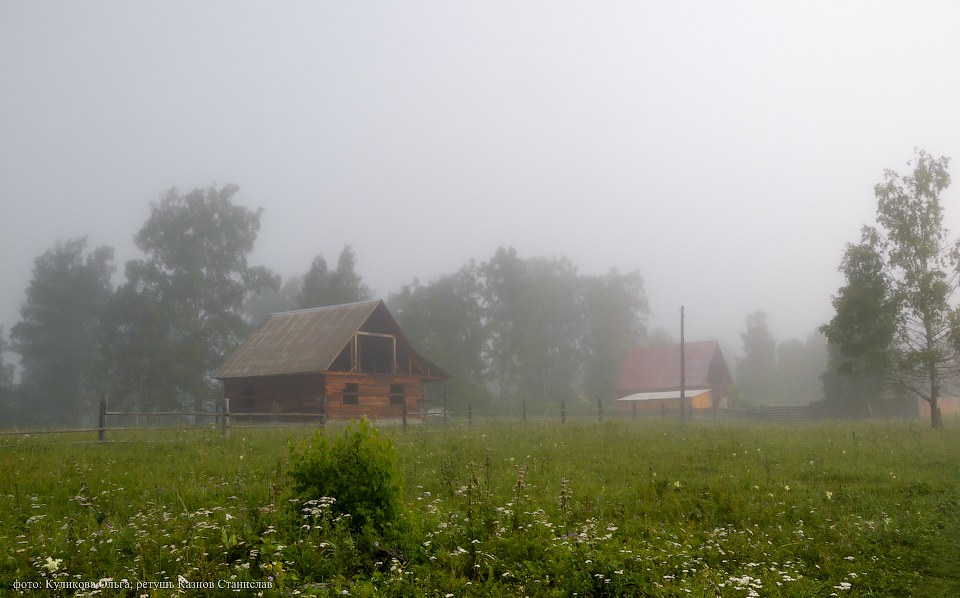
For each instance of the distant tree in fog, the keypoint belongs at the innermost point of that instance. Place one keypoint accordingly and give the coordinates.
(799, 367)
(536, 322)
(181, 309)
(861, 334)
(554, 334)
(784, 373)
(756, 369)
(911, 258)
(6, 370)
(659, 337)
(503, 297)
(258, 307)
(58, 335)
(527, 329)
(7, 407)
(615, 311)
(444, 320)
(321, 287)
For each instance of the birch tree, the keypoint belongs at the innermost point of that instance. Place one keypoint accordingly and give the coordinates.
(921, 264)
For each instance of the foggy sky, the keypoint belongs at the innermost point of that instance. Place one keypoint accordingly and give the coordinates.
(726, 150)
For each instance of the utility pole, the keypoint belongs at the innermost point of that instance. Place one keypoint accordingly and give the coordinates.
(683, 381)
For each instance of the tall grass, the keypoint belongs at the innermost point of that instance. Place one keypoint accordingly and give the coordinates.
(537, 509)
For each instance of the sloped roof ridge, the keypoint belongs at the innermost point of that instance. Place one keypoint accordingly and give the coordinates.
(325, 307)
(677, 344)
(650, 368)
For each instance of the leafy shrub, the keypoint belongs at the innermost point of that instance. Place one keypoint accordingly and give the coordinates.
(359, 469)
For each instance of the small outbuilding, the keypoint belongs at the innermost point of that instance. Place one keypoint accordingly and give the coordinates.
(342, 361)
(650, 378)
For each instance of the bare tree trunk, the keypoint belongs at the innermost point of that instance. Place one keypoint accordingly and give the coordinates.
(936, 416)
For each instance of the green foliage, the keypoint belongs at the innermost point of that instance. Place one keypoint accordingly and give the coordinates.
(896, 317)
(756, 370)
(267, 300)
(614, 309)
(530, 328)
(6, 370)
(865, 322)
(554, 334)
(861, 335)
(445, 320)
(7, 388)
(58, 335)
(181, 309)
(321, 287)
(359, 470)
(799, 367)
(618, 509)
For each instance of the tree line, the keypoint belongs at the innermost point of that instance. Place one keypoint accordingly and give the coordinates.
(503, 328)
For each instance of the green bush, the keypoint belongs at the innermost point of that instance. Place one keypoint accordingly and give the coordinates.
(359, 469)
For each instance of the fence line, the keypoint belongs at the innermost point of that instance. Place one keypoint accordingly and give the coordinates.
(225, 418)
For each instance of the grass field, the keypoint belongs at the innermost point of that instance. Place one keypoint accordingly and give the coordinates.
(537, 509)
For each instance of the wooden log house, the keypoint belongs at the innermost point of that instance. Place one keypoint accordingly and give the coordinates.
(342, 361)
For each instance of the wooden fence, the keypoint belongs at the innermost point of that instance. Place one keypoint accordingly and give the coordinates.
(603, 411)
(223, 419)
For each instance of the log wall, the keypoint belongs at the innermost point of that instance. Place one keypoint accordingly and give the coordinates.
(373, 395)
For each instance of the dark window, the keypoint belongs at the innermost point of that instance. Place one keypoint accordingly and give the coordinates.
(376, 354)
(245, 404)
(396, 394)
(351, 394)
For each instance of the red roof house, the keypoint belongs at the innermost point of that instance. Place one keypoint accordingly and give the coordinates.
(650, 377)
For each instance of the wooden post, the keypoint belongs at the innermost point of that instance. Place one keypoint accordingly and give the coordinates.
(404, 409)
(563, 412)
(102, 421)
(663, 410)
(523, 410)
(599, 410)
(634, 403)
(226, 417)
(683, 398)
(469, 415)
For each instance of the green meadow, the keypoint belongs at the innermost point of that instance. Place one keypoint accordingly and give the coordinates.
(619, 508)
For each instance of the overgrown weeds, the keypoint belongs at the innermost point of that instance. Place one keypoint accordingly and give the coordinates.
(622, 508)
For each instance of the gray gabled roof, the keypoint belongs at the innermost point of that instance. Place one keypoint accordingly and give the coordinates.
(303, 341)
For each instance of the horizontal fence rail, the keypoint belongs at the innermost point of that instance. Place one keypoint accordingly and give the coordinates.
(224, 418)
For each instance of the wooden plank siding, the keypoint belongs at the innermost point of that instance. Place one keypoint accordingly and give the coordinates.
(373, 395)
(311, 393)
(294, 393)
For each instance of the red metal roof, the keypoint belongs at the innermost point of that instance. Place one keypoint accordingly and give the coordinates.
(653, 369)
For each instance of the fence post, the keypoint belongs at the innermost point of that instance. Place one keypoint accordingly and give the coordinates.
(469, 415)
(102, 421)
(226, 417)
(523, 412)
(404, 409)
(563, 412)
(663, 410)
(599, 410)
(634, 409)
